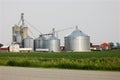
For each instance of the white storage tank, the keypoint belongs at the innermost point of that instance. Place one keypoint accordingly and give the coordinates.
(28, 43)
(53, 44)
(39, 43)
(14, 48)
(77, 41)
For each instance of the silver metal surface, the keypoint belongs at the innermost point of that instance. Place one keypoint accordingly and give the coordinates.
(28, 42)
(67, 43)
(77, 41)
(19, 39)
(53, 44)
(39, 42)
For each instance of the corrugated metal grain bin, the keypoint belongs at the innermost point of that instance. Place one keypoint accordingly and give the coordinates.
(77, 41)
(53, 44)
(39, 43)
(28, 43)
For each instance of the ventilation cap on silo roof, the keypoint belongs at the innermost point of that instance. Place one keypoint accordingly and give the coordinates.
(77, 33)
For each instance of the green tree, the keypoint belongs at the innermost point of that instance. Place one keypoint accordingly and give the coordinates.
(118, 45)
(1, 45)
(111, 45)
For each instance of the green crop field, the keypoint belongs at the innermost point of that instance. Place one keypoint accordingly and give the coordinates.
(97, 60)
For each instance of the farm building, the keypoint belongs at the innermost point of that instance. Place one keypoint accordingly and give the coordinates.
(105, 46)
(10, 48)
(4, 49)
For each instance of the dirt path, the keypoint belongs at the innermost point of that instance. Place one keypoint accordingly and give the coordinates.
(18, 73)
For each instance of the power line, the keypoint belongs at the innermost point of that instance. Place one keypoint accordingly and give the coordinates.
(33, 26)
(31, 32)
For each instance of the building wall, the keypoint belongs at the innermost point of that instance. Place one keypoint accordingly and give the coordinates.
(14, 48)
(5, 49)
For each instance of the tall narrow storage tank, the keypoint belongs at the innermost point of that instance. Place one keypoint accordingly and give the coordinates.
(53, 44)
(77, 41)
(28, 43)
(18, 39)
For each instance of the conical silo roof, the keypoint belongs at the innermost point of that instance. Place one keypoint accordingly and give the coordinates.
(41, 37)
(77, 33)
(53, 38)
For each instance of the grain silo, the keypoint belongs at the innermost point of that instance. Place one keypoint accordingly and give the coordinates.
(77, 41)
(53, 44)
(20, 31)
(15, 31)
(28, 43)
(67, 43)
(39, 43)
(18, 38)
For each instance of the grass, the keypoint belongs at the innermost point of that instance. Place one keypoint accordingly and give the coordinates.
(103, 60)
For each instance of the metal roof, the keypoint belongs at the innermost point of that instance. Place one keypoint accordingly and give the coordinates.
(77, 33)
(40, 38)
(4, 46)
(53, 38)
